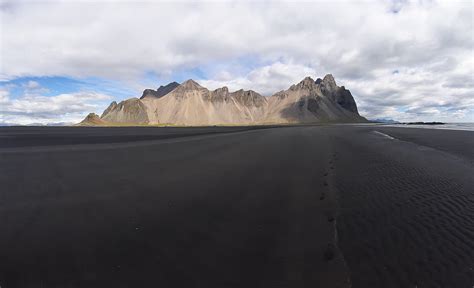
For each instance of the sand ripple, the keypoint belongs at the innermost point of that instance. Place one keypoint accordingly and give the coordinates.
(404, 224)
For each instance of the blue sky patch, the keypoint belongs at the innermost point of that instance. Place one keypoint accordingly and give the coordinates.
(56, 85)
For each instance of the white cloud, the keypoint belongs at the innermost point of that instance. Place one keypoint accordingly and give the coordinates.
(4, 97)
(361, 43)
(415, 94)
(265, 80)
(33, 88)
(126, 39)
(69, 108)
(32, 84)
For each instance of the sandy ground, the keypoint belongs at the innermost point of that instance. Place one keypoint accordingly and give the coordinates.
(236, 207)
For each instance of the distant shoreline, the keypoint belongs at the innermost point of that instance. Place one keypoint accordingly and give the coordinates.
(467, 126)
(424, 123)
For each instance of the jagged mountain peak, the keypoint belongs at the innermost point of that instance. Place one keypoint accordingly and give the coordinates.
(174, 83)
(161, 91)
(190, 84)
(329, 80)
(249, 98)
(306, 83)
(92, 116)
(110, 108)
(148, 92)
(224, 89)
(192, 104)
(251, 92)
(248, 92)
(92, 119)
(307, 79)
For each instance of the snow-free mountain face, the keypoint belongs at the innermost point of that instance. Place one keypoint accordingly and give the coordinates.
(160, 92)
(91, 120)
(191, 104)
(313, 101)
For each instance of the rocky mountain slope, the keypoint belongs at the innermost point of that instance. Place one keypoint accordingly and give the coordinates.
(313, 101)
(191, 104)
(92, 119)
(160, 92)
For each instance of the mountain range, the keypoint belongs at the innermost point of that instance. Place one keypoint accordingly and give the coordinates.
(191, 104)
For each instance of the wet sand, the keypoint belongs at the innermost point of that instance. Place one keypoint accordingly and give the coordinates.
(236, 207)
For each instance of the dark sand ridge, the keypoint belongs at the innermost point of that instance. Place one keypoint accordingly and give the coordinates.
(407, 210)
(244, 209)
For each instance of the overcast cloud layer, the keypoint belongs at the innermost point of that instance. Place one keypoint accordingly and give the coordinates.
(400, 59)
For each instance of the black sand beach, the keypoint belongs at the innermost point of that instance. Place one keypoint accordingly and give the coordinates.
(307, 206)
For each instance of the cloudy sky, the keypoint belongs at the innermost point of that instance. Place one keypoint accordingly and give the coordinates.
(405, 60)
